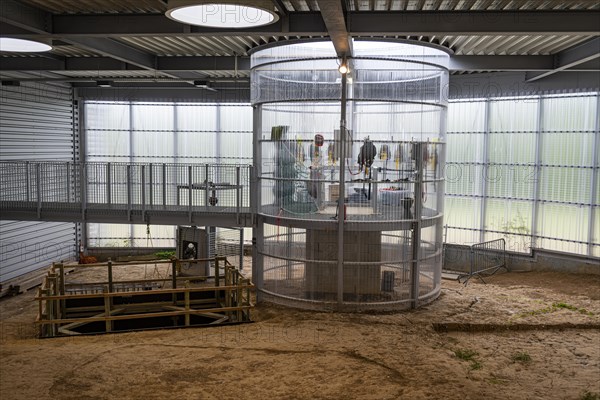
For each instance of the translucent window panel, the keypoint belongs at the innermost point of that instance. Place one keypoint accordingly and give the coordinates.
(509, 217)
(160, 236)
(198, 118)
(464, 179)
(519, 114)
(236, 147)
(512, 148)
(463, 212)
(571, 185)
(236, 118)
(466, 116)
(510, 181)
(465, 147)
(152, 117)
(196, 146)
(561, 148)
(152, 146)
(107, 145)
(107, 116)
(569, 114)
(109, 235)
(562, 221)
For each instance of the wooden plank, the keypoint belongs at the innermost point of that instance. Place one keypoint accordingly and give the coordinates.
(140, 305)
(78, 324)
(141, 316)
(142, 293)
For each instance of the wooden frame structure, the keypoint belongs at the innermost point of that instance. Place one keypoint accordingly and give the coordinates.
(116, 306)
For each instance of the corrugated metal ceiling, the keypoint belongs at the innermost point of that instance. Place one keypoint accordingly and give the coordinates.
(99, 6)
(159, 6)
(224, 45)
(200, 45)
(462, 45)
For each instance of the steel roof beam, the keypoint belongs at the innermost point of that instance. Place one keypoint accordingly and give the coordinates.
(25, 17)
(334, 18)
(500, 63)
(111, 48)
(400, 23)
(212, 63)
(227, 63)
(571, 57)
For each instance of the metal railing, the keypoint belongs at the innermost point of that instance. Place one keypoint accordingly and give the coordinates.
(486, 259)
(65, 308)
(56, 186)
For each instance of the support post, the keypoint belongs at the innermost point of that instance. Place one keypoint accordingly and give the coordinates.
(68, 182)
(206, 186)
(110, 275)
(82, 189)
(38, 179)
(241, 249)
(485, 171)
(341, 212)
(143, 193)
(238, 191)
(257, 257)
(537, 174)
(187, 303)
(416, 226)
(108, 324)
(61, 269)
(596, 167)
(129, 194)
(174, 280)
(190, 183)
(164, 184)
(217, 275)
(151, 183)
(108, 183)
(28, 181)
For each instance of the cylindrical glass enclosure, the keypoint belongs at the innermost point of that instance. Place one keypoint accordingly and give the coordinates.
(349, 170)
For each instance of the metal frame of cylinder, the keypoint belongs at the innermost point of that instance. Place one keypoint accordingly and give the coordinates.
(369, 250)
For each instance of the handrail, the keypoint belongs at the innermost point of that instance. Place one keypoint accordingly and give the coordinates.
(42, 186)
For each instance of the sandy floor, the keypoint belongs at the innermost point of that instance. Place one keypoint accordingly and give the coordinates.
(505, 342)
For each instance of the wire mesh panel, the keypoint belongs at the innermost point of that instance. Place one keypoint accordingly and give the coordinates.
(50, 186)
(486, 259)
(344, 204)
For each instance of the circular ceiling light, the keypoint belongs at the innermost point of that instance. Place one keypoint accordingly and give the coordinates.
(223, 14)
(22, 45)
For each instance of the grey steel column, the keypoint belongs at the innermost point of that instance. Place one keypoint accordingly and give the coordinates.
(416, 226)
(537, 174)
(258, 242)
(131, 144)
(258, 238)
(594, 178)
(485, 171)
(341, 212)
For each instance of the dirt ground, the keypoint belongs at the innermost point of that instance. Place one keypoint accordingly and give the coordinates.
(521, 336)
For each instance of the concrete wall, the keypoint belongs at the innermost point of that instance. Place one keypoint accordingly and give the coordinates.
(457, 258)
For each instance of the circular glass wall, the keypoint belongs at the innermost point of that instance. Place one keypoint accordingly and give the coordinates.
(350, 174)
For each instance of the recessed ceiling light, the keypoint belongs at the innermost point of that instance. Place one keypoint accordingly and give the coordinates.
(22, 45)
(223, 14)
(104, 84)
